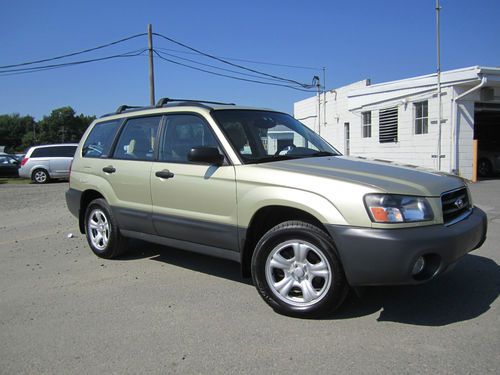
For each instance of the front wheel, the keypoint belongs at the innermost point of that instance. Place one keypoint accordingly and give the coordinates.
(297, 272)
(101, 229)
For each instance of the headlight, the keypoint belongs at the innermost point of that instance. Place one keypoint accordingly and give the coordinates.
(384, 208)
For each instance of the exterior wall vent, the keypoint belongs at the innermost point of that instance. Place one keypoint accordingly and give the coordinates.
(388, 125)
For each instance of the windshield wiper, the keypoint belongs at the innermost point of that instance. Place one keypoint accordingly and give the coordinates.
(274, 158)
(322, 153)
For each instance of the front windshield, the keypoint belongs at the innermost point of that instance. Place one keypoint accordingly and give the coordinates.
(265, 136)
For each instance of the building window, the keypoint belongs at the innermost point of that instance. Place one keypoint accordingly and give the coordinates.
(421, 118)
(366, 119)
(388, 125)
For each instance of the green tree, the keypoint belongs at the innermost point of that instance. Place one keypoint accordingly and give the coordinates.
(63, 126)
(13, 129)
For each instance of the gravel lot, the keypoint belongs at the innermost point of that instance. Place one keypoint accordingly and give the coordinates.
(160, 310)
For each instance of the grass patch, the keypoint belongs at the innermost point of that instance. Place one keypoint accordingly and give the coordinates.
(14, 181)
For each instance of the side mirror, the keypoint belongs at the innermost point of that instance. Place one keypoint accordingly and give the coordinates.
(206, 155)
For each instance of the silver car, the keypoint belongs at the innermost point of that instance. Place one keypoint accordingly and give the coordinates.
(42, 163)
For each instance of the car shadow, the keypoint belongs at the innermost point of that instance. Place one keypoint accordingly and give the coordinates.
(217, 267)
(464, 293)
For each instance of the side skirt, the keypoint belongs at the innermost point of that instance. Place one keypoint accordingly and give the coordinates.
(185, 245)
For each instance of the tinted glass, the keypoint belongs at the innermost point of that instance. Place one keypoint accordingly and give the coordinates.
(42, 152)
(262, 136)
(62, 151)
(100, 139)
(137, 139)
(182, 133)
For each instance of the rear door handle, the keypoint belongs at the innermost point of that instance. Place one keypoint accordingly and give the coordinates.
(109, 169)
(164, 174)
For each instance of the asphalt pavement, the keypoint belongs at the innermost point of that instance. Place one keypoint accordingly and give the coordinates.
(159, 310)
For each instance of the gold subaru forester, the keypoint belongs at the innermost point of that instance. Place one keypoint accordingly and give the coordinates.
(258, 187)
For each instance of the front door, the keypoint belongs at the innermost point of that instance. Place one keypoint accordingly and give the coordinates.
(192, 202)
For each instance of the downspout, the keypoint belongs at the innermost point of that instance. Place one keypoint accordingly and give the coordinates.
(483, 82)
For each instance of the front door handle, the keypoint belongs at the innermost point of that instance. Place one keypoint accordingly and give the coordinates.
(109, 169)
(164, 174)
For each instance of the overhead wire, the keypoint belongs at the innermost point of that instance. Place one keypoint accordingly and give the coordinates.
(262, 77)
(228, 76)
(304, 85)
(75, 53)
(55, 66)
(217, 67)
(244, 60)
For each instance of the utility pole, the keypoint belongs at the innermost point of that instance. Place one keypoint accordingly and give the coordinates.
(318, 87)
(438, 46)
(151, 67)
(324, 96)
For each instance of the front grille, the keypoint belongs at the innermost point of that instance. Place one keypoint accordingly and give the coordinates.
(455, 204)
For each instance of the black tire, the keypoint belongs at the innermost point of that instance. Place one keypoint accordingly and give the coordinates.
(484, 168)
(98, 214)
(284, 240)
(40, 176)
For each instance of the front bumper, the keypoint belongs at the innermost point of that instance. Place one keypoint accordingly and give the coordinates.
(387, 256)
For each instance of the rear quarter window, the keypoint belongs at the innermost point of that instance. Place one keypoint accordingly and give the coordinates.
(42, 152)
(100, 139)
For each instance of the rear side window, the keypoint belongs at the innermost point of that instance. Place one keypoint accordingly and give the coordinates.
(137, 140)
(67, 151)
(42, 152)
(62, 151)
(100, 139)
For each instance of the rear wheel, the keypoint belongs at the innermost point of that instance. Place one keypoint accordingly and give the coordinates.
(101, 229)
(40, 176)
(297, 272)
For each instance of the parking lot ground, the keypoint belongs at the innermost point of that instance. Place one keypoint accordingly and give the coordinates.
(163, 311)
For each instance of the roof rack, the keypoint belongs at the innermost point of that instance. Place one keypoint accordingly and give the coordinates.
(124, 107)
(164, 101)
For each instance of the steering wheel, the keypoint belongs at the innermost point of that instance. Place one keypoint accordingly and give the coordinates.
(288, 148)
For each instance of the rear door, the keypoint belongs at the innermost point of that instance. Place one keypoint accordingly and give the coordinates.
(198, 202)
(60, 160)
(128, 173)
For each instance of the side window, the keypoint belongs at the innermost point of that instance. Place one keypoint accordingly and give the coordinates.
(42, 152)
(182, 133)
(98, 143)
(137, 139)
(63, 151)
(68, 151)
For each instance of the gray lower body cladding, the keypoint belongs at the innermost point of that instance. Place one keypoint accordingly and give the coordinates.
(369, 256)
(73, 201)
(387, 256)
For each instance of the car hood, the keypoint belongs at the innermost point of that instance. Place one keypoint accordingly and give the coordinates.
(383, 175)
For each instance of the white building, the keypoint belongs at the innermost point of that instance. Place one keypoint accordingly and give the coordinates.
(398, 120)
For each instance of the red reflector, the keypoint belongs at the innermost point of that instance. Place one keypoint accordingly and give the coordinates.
(24, 161)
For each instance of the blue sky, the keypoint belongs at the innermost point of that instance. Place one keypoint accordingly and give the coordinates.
(381, 40)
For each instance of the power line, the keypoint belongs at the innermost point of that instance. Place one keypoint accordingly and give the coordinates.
(55, 66)
(244, 60)
(216, 67)
(74, 53)
(228, 76)
(304, 85)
